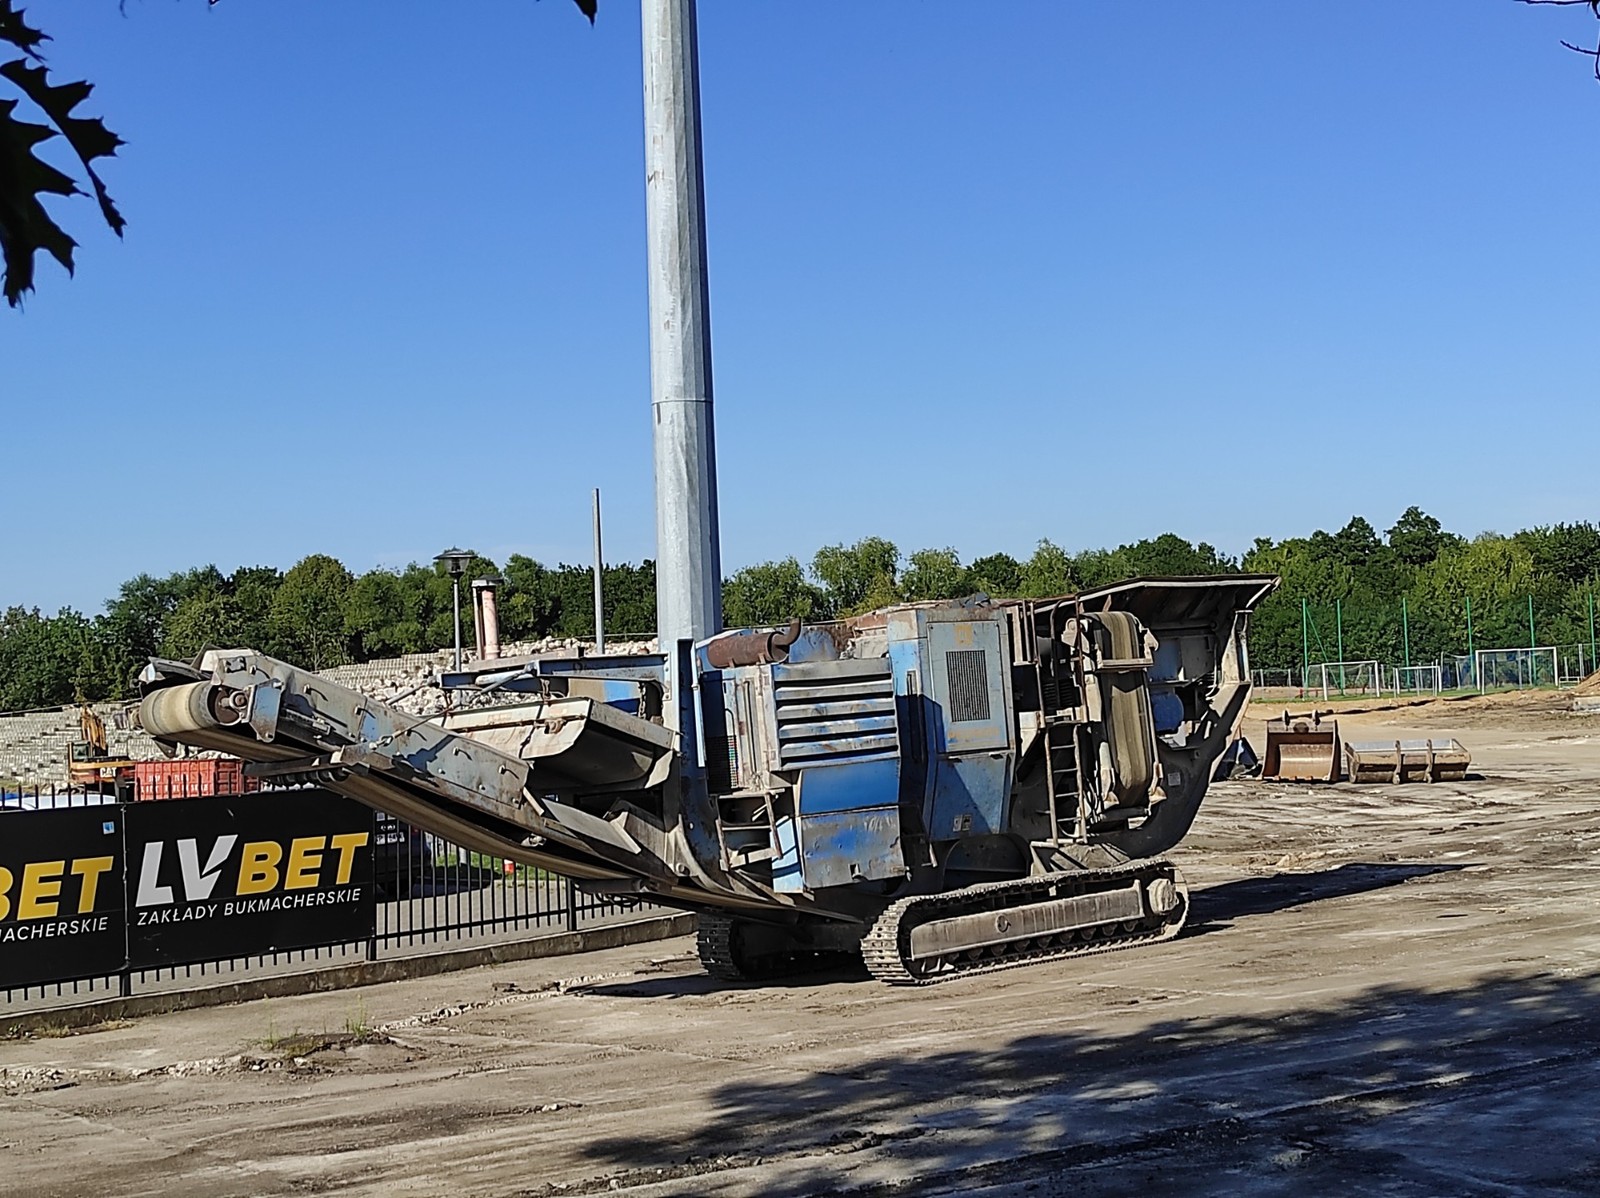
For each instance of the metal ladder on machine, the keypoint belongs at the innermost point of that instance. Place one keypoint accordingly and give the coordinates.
(1063, 776)
(748, 828)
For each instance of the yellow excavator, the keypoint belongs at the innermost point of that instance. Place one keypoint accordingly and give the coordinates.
(90, 765)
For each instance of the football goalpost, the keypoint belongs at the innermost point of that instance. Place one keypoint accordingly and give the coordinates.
(1272, 678)
(1418, 680)
(1346, 678)
(1522, 669)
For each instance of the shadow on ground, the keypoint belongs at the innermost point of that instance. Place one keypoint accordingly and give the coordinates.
(1279, 892)
(1213, 909)
(1401, 1090)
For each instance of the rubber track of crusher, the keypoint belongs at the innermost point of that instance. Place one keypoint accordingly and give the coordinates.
(713, 941)
(886, 948)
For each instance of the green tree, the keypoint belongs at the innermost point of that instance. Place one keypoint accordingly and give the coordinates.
(630, 598)
(935, 574)
(203, 620)
(858, 577)
(998, 575)
(528, 605)
(251, 589)
(308, 617)
(771, 593)
(1417, 538)
(383, 615)
(1051, 571)
(1569, 553)
(45, 661)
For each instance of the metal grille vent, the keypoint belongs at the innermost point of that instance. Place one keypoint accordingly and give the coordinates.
(967, 671)
(722, 764)
(827, 714)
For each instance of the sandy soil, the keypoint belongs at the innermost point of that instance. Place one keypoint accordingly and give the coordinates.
(1382, 991)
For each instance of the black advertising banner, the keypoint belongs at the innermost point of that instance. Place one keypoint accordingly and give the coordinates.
(222, 877)
(60, 895)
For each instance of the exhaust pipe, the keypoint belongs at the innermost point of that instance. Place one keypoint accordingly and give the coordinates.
(752, 648)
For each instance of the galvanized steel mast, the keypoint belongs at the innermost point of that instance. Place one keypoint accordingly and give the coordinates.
(599, 582)
(688, 548)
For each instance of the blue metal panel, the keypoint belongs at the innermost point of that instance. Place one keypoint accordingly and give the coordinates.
(851, 786)
(970, 796)
(966, 674)
(914, 712)
(850, 846)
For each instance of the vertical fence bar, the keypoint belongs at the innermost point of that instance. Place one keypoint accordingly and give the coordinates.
(1305, 646)
(1338, 624)
(1594, 663)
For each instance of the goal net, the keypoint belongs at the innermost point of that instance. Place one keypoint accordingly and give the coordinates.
(1418, 680)
(1264, 679)
(1346, 678)
(1499, 669)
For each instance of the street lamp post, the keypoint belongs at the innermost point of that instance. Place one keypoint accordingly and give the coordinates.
(456, 561)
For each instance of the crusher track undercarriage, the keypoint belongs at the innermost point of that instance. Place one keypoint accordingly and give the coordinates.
(922, 939)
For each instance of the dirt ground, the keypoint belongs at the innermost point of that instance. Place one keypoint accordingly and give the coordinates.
(1382, 991)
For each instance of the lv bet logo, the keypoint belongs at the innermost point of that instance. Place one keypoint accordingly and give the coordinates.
(260, 867)
(44, 886)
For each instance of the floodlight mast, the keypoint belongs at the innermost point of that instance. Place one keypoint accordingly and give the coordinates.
(688, 547)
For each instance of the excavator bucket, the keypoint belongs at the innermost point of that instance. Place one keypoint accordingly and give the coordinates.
(1407, 761)
(1302, 748)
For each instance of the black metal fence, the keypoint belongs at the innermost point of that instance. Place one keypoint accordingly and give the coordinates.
(419, 894)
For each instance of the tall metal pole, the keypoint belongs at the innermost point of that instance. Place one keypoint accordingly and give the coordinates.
(688, 547)
(1305, 647)
(599, 586)
(1594, 662)
(1472, 657)
(1533, 643)
(1338, 624)
(1405, 629)
(455, 591)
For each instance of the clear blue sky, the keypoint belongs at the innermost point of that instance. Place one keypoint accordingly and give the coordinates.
(981, 274)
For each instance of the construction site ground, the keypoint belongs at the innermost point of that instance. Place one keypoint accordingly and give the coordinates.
(1382, 990)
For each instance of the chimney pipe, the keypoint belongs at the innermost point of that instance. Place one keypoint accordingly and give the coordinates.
(477, 615)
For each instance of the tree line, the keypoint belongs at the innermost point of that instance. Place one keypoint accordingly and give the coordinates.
(319, 615)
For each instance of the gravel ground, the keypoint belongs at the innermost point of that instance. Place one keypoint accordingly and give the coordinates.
(1382, 991)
